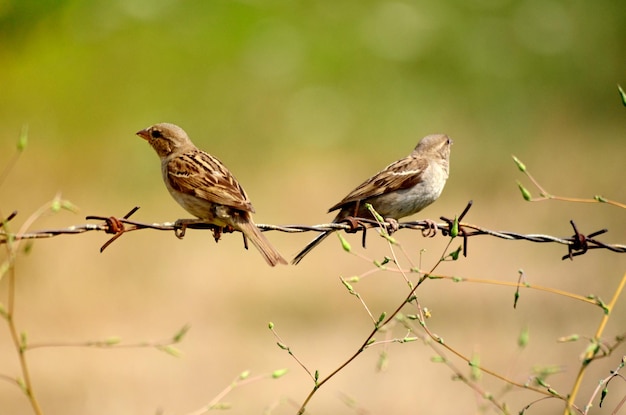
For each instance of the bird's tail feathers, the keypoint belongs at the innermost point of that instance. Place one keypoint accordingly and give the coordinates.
(271, 255)
(310, 246)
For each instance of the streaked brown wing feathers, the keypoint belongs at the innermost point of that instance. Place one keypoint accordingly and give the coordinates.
(403, 174)
(201, 175)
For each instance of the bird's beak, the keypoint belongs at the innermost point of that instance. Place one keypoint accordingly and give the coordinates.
(145, 134)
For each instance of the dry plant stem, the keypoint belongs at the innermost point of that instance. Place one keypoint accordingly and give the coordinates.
(283, 346)
(238, 381)
(577, 200)
(9, 166)
(597, 337)
(516, 284)
(15, 337)
(547, 196)
(357, 295)
(433, 345)
(605, 382)
(101, 345)
(12, 250)
(376, 329)
(496, 375)
(504, 283)
(384, 233)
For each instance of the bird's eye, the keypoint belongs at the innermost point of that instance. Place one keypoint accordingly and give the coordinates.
(155, 134)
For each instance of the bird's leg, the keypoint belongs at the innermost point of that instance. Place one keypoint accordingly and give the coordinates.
(354, 227)
(217, 233)
(180, 227)
(430, 230)
(218, 230)
(356, 208)
(353, 222)
(393, 225)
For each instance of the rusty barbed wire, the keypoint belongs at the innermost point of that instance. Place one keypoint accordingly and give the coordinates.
(577, 244)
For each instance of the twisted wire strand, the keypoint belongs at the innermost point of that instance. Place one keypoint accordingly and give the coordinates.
(577, 244)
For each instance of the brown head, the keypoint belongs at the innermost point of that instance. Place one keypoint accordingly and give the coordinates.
(435, 144)
(166, 139)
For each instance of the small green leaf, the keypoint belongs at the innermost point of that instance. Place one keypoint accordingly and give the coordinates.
(474, 363)
(23, 340)
(567, 339)
(602, 304)
(543, 372)
(602, 396)
(112, 341)
(374, 213)
(525, 193)
(600, 199)
(244, 375)
(454, 232)
(28, 246)
(381, 318)
(344, 244)
(221, 406)
(67, 205)
(4, 268)
(279, 373)
(622, 94)
(521, 166)
(282, 346)
(590, 352)
(438, 359)
(55, 206)
(22, 140)
(454, 255)
(172, 351)
(181, 333)
(316, 375)
(524, 337)
(270, 325)
(383, 361)
(22, 385)
(347, 285)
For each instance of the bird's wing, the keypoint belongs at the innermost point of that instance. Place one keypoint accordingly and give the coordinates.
(201, 175)
(402, 174)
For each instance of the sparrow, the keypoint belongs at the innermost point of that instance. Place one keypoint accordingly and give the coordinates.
(204, 187)
(401, 189)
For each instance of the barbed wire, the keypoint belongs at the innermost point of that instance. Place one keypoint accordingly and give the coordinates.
(577, 244)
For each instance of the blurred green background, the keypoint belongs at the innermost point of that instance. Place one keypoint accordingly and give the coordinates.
(303, 101)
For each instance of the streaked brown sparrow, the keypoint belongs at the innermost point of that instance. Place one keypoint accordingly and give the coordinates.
(202, 185)
(401, 189)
